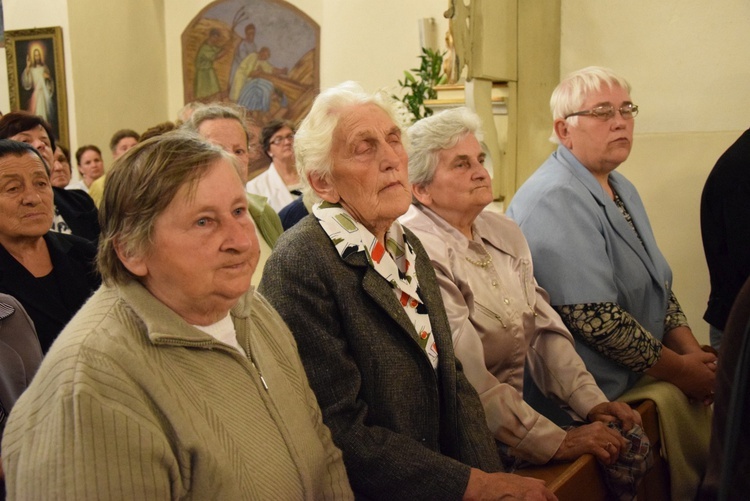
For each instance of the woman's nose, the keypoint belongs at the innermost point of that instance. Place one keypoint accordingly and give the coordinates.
(239, 234)
(31, 196)
(390, 159)
(480, 172)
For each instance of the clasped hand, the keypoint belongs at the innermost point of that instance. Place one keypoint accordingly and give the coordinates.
(597, 438)
(697, 376)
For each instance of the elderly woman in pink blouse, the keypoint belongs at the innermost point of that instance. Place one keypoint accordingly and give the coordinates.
(500, 318)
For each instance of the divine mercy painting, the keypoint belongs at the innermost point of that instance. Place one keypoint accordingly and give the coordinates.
(36, 76)
(262, 55)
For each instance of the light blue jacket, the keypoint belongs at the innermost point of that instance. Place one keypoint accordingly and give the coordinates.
(584, 251)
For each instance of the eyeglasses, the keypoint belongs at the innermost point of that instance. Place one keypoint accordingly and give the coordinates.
(607, 112)
(280, 139)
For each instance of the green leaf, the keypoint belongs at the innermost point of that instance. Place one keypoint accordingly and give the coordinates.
(419, 83)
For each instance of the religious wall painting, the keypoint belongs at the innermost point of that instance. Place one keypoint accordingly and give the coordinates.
(36, 76)
(260, 54)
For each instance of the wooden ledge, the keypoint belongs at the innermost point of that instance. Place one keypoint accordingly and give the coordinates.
(579, 480)
(582, 480)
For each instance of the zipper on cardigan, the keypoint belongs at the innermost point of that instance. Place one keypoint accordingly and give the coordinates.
(260, 374)
(251, 358)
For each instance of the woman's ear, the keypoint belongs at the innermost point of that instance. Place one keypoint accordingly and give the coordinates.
(562, 129)
(323, 187)
(422, 193)
(135, 263)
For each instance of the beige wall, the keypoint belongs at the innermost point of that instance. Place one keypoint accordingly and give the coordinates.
(686, 60)
(119, 68)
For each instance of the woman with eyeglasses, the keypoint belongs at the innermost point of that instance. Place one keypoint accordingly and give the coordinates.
(595, 253)
(280, 183)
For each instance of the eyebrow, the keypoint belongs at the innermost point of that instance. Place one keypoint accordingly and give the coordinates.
(363, 134)
(36, 174)
(372, 132)
(468, 157)
(4, 177)
(609, 103)
(239, 199)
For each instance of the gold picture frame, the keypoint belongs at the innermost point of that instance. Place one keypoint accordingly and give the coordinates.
(36, 76)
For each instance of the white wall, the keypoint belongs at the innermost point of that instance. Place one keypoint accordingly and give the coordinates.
(119, 68)
(687, 60)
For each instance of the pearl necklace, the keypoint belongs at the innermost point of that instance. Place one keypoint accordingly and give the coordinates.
(482, 264)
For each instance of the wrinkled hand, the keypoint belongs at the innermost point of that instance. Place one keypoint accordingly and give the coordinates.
(496, 486)
(697, 377)
(609, 412)
(595, 438)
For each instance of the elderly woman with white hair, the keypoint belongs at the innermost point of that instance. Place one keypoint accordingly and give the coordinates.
(596, 255)
(500, 318)
(359, 293)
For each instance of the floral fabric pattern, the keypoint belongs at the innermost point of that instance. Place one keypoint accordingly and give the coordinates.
(613, 332)
(675, 316)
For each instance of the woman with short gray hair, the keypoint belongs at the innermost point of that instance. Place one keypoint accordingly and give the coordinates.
(437, 135)
(597, 256)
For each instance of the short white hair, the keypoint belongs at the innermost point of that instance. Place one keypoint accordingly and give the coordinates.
(313, 141)
(430, 135)
(572, 91)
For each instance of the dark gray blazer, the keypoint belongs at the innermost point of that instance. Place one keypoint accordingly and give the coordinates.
(406, 431)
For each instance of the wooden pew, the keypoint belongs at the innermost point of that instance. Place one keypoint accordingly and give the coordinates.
(582, 480)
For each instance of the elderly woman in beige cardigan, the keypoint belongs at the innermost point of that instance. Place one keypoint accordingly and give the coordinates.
(176, 380)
